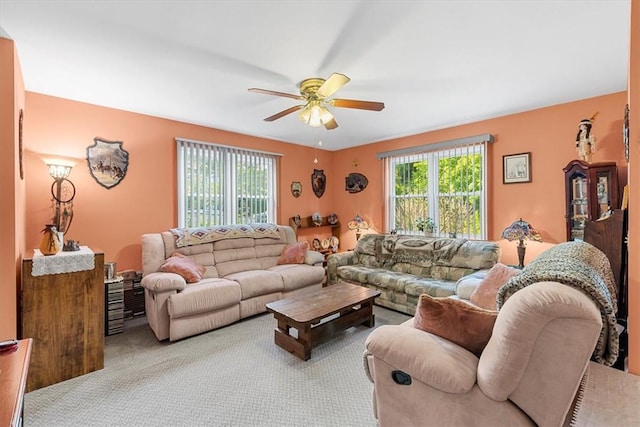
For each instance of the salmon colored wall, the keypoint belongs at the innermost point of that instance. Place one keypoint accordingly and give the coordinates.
(548, 133)
(634, 185)
(12, 190)
(145, 200)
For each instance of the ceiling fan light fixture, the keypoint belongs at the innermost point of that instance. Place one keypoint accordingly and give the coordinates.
(305, 115)
(315, 115)
(315, 91)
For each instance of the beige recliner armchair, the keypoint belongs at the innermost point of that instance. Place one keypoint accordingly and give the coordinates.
(529, 373)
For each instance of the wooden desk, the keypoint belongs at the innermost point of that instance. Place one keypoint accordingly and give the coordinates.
(14, 365)
(64, 314)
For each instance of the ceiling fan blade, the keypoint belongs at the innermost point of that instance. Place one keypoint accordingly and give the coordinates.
(361, 105)
(332, 84)
(331, 124)
(272, 92)
(283, 113)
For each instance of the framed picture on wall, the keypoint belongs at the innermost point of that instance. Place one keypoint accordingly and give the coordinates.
(516, 168)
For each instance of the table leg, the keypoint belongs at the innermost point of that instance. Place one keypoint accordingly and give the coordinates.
(301, 346)
(368, 307)
(304, 338)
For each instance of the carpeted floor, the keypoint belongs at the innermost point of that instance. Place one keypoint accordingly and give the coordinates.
(237, 376)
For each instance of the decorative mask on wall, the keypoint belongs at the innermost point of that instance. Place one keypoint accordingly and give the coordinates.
(318, 182)
(296, 189)
(355, 182)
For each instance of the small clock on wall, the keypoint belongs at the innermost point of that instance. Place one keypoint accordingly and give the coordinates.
(20, 118)
(625, 132)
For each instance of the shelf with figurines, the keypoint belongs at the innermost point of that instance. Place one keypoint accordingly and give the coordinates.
(315, 221)
(328, 242)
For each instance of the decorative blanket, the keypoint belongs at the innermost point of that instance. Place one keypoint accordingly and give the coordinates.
(420, 251)
(584, 267)
(198, 235)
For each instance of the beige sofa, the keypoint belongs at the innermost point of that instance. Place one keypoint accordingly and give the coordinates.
(527, 375)
(552, 317)
(241, 276)
(403, 267)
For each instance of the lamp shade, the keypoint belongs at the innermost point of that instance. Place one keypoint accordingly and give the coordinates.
(521, 230)
(59, 168)
(358, 223)
(314, 114)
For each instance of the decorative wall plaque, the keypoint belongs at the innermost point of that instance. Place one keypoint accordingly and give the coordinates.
(355, 182)
(107, 162)
(318, 182)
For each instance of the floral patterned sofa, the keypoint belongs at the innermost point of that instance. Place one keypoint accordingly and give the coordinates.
(403, 267)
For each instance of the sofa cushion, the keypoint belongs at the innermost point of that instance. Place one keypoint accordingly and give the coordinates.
(184, 266)
(485, 293)
(390, 279)
(357, 273)
(294, 253)
(296, 276)
(257, 282)
(205, 296)
(432, 287)
(455, 320)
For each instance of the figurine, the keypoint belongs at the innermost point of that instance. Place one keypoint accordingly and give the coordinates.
(70, 246)
(585, 142)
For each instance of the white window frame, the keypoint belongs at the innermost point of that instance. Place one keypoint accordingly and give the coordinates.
(432, 153)
(223, 163)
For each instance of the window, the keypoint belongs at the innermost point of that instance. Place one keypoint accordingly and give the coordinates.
(224, 185)
(444, 182)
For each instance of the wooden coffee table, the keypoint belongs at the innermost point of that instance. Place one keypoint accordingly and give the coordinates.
(352, 304)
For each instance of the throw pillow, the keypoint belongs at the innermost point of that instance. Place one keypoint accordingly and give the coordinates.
(294, 253)
(455, 320)
(484, 295)
(184, 266)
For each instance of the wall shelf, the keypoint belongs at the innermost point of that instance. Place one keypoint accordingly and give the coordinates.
(307, 222)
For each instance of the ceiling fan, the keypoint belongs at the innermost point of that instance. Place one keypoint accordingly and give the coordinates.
(314, 92)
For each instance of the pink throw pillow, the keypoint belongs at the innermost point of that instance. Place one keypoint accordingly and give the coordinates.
(484, 295)
(184, 266)
(294, 253)
(455, 320)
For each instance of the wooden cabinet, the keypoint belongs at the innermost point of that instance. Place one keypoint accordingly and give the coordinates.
(591, 189)
(609, 235)
(14, 365)
(64, 314)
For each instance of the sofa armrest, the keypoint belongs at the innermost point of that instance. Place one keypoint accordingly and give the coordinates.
(467, 284)
(162, 282)
(428, 358)
(314, 258)
(337, 260)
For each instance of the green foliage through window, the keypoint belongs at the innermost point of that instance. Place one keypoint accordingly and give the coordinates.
(447, 186)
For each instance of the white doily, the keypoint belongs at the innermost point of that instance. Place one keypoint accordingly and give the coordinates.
(62, 262)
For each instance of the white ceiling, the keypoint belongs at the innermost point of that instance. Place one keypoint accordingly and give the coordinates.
(434, 64)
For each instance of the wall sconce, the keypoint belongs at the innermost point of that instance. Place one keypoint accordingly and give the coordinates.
(59, 171)
(63, 191)
(521, 231)
(358, 224)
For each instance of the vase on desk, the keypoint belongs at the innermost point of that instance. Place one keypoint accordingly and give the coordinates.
(50, 243)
